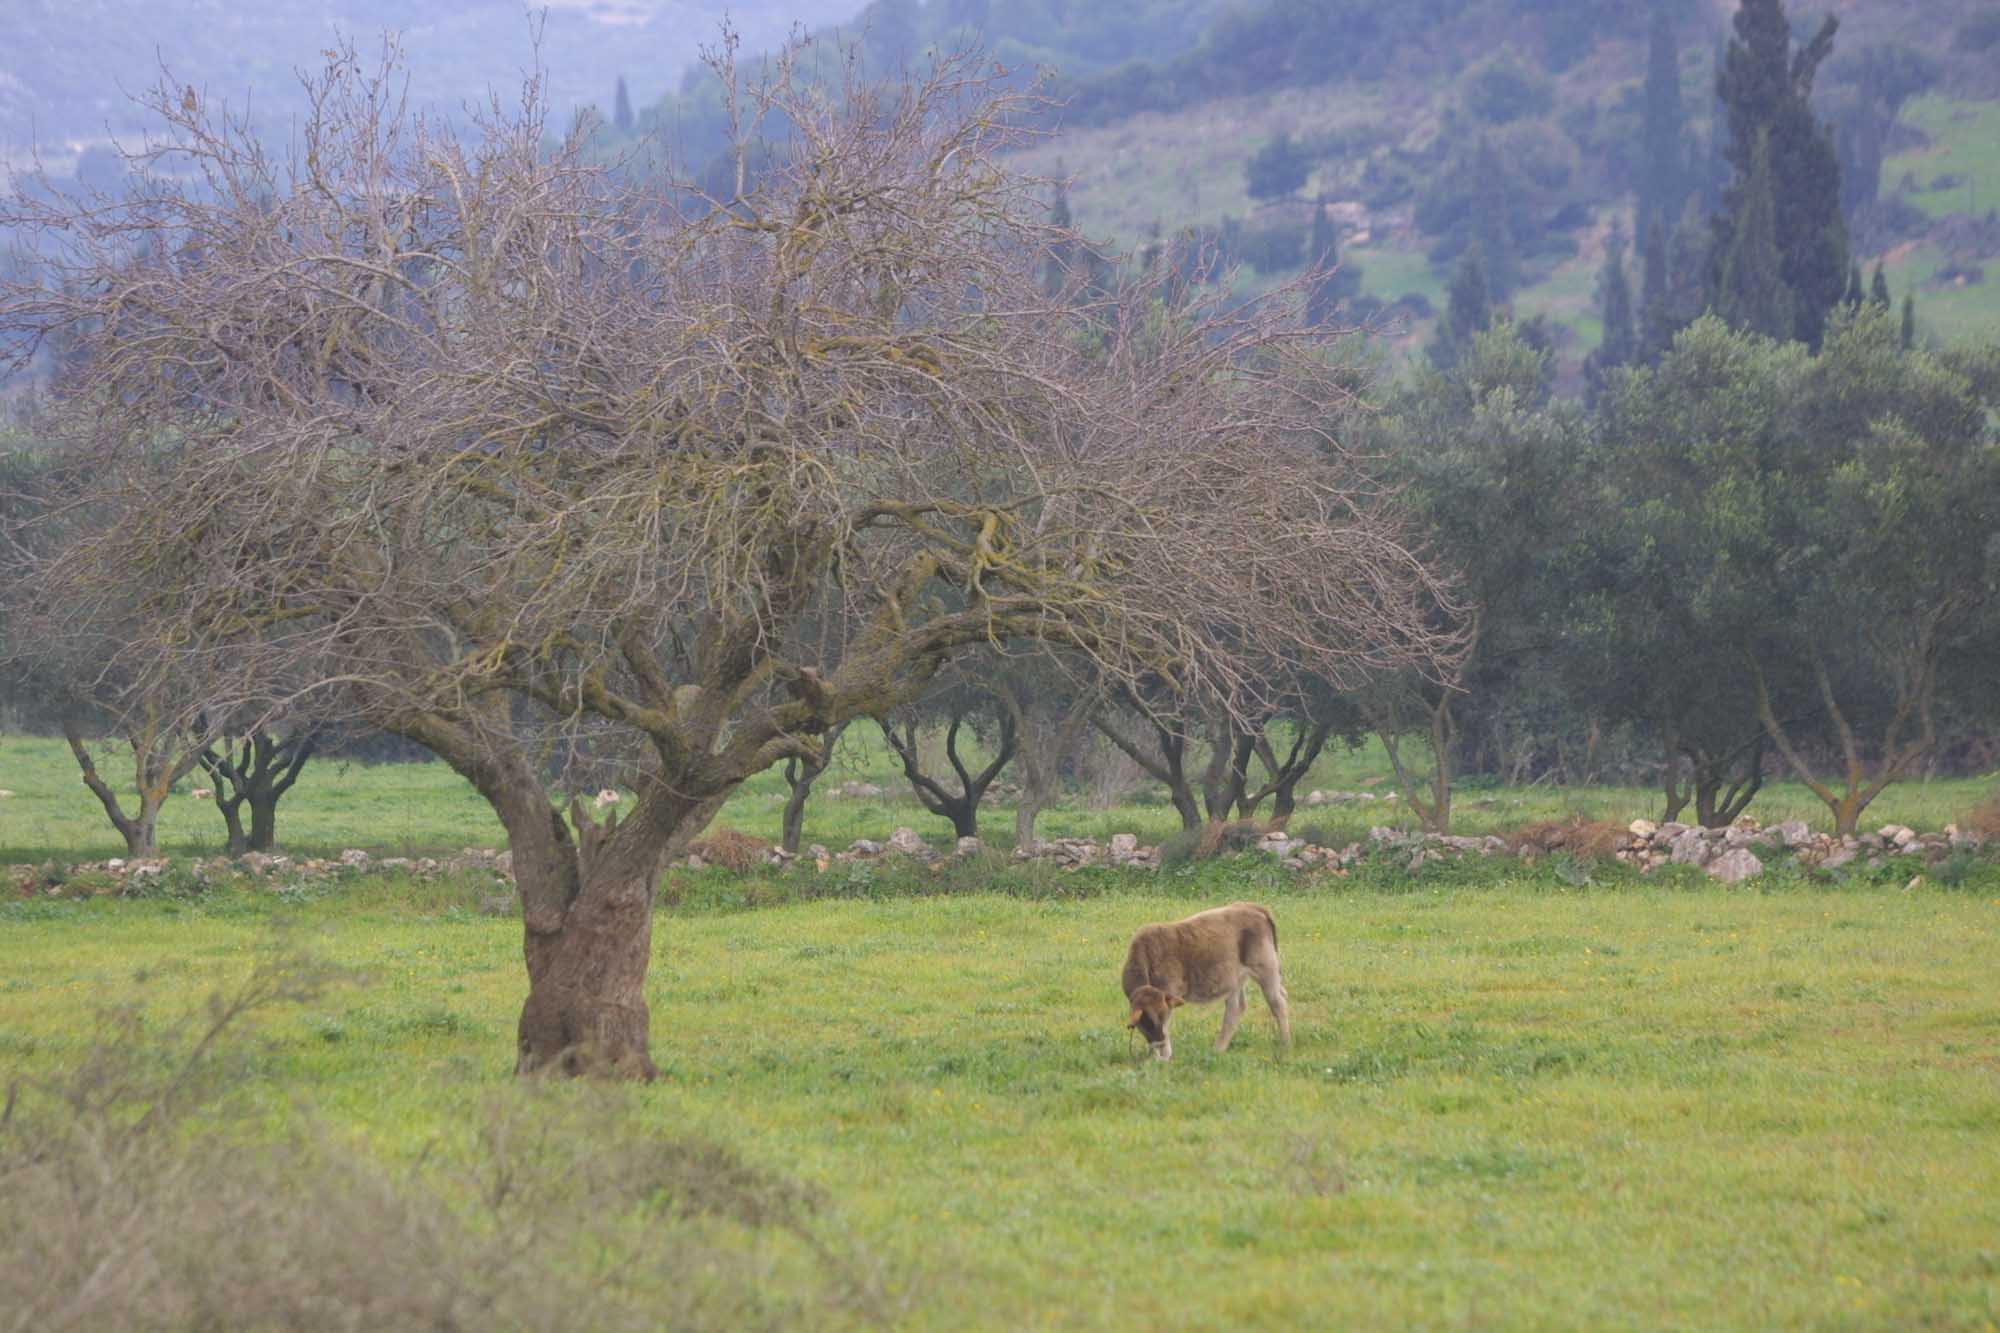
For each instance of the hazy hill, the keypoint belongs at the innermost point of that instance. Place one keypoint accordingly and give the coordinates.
(67, 66)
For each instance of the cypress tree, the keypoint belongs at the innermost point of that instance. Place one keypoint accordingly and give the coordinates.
(1614, 292)
(621, 108)
(1321, 255)
(1656, 324)
(1492, 221)
(1753, 294)
(1662, 171)
(1855, 294)
(1765, 86)
(1468, 310)
(1878, 287)
(1909, 320)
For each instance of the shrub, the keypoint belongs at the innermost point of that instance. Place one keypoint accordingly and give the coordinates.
(1505, 88)
(1577, 838)
(731, 849)
(132, 1203)
(1984, 818)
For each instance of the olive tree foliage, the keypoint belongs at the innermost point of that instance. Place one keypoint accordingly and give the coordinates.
(1488, 460)
(458, 434)
(1806, 551)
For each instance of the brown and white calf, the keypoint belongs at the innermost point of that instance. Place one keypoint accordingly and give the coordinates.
(1209, 956)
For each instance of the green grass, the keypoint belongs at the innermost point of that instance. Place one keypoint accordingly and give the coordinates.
(1964, 142)
(1656, 1104)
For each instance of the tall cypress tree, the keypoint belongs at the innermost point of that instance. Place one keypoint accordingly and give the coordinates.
(1322, 254)
(1878, 287)
(1493, 222)
(1765, 86)
(1468, 310)
(1663, 175)
(1656, 326)
(1909, 320)
(1614, 294)
(1752, 293)
(621, 108)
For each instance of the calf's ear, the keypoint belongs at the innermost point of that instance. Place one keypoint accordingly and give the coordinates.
(1175, 1002)
(1133, 1021)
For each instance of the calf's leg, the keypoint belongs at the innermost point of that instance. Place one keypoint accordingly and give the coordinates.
(1232, 1014)
(1271, 981)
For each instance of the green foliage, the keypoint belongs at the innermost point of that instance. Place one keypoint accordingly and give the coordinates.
(1278, 169)
(1752, 293)
(1504, 87)
(1765, 88)
(1662, 170)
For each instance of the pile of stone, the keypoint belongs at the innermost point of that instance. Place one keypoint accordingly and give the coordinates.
(1730, 854)
(115, 875)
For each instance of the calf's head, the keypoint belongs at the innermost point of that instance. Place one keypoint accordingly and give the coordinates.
(1151, 1008)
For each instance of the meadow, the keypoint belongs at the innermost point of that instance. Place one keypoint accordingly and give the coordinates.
(1518, 1098)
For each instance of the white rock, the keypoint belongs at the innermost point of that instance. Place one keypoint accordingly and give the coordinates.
(906, 841)
(1734, 866)
(4, 793)
(970, 846)
(1793, 833)
(1691, 848)
(1642, 828)
(1313, 797)
(115, 863)
(865, 847)
(1123, 845)
(355, 857)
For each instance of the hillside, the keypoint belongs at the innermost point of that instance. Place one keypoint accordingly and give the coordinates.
(69, 66)
(1390, 148)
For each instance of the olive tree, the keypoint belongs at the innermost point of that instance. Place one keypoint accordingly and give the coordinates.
(465, 436)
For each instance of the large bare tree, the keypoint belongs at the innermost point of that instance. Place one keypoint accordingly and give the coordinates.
(476, 440)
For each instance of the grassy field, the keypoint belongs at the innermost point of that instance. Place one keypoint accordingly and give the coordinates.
(1512, 1106)
(1518, 1099)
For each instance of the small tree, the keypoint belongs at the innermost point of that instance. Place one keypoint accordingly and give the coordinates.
(801, 771)
(256, 770)
(1278, 170)
(963, 709)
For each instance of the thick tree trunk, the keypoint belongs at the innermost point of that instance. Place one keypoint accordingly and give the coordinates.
(586, 1008)
(587, 929)
(263, 820)
(1722, 791)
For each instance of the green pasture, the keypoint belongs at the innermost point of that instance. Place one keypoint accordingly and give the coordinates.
(1521, 1097)
(1515, 1105)
(1958, 170)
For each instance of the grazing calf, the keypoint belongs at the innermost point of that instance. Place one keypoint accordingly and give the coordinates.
(1210, 956)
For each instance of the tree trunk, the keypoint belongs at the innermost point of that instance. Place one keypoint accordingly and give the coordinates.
(1721, 791)
(586, 1008)
(263, 820)
(587, 926)
(800, 774)
(232, 819)
(155, 778)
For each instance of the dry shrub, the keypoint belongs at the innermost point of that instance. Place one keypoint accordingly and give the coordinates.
(135, 1201)
(1584, 839)
(1984, 818)
(1236, 836)
(732, 849)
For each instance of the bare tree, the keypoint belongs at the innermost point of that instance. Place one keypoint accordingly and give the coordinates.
(801, 771)
(962, 708)
(466, 437)
(257, 770)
